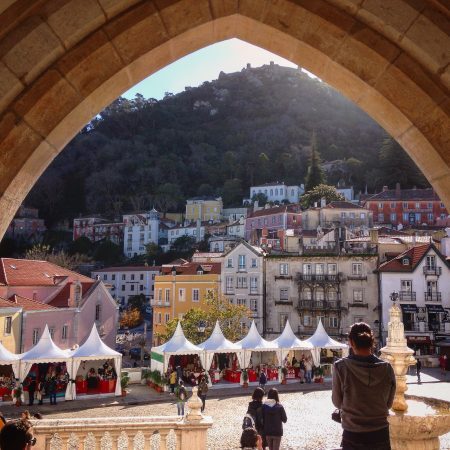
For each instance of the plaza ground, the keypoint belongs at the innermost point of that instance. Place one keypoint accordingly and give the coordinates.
(308, 409)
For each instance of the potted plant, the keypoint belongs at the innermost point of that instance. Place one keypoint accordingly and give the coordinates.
(157, 381)
(124, 380)
(284, 372)
(318, 375)
(18, 395)
(244, 378)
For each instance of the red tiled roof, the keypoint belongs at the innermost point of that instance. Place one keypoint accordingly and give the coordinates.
(427, 194)
(28, 304)
(130, 269)
(61, 299)
(415, 254)
(28, 272)
(342, 204)
(7, 304)
(192, 268)
(275, 210)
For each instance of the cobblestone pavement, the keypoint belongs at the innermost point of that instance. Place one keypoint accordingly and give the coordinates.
(309, 425)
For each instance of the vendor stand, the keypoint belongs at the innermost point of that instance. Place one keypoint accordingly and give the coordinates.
(94, 368)
(9, 370)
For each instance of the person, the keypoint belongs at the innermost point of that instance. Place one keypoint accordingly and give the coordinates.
(181, 396)
(2, 421)
(308, 369)
(40, 391)
(255, 409)
(251, 440)
(262, 379)
(302, 371)
(294, 361)
(172, 381)
(17, 435)
(51, 389)
(418, 369)
(202, 392)
(31, 391)
(25, 415)
(274, 416)
(179, 373)
(363, 389)
(443, 363)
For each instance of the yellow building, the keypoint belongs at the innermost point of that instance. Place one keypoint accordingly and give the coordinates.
(180, 289)
(10, 325)
(204, 208)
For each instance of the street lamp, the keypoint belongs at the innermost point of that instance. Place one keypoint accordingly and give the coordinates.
(394, 296)
(201, 327)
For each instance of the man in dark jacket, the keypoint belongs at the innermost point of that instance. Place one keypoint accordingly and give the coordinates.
(31, 391)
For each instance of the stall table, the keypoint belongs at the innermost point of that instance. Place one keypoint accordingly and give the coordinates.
(232, 376)
(272, 374)
(291, 373)
(252, 375)
(81, 387)
(107, 386)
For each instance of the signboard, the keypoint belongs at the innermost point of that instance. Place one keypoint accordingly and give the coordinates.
(409, 308)
(419, 339)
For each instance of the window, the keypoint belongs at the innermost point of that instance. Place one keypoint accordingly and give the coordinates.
(393, 217)
(442, 205)
(141, 287)
(381, 217)
(124, 277)
(405, 217)
(159, 318)
(284, 294)
(113, 277)
(242, 282)
(307, 269)
(132, 277)
(307, 294)
(253, 285)
(392, 205)
(166, 317)
(181, 295)
(167, 295)
(405, 205)
(431, 262)
(241, 264)
(160, 295)
(8, 324)
(406, 285)
(334, 322)
(284, 269)
(405, 261)
(363, 215)
(320, 269)
(195, 295)
(132, 287)
(35, 336)
(105, 276)
(253, 304)
(51, 330)
(430, 205)
(64, 332)
(98, 311)
(254, 262)
(417, 205)
(241, 301)
(229, 284)
(283, 319)
(332, 269)
(319, 295)
(343, 215)
(357, 295)
(141, 276)
(307, 321)
(380, 205)
(356, 269)
(430, 217)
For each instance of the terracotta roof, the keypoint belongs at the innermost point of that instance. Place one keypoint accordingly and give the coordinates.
(275, 210)
(7, 304)
(61, 299)
(342, 204)
(28, 272)
(28, 304)
(405, 194)
(192, 269)
(415, 255)
(130, 269)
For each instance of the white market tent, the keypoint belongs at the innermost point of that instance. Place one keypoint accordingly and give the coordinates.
(254, 342)
(218, 343)
(288, 341)
(178, 344)
(320, 339)
(8, 358)
(93, 349)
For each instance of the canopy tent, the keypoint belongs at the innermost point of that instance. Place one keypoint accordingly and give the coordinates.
(320, 339)
(7, 358)
(176, 345)
(217, 343)
(288, 341)
(254, 342)
(93, 349)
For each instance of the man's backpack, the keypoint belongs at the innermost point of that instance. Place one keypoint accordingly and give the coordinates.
(248, 422)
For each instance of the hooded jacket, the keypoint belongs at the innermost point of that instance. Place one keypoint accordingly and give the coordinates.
(363, 389)
(274, 416)
(255, 410)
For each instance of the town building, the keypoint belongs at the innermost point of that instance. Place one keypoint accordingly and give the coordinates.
(204, 209)
(10, 325)
(98, 229)
(140, 230)
(267, 222)
(405, 207)
(278, 192)
(129, 281)
(338, 289)
(180, 288)
(421, 278)
(223, 244)
(236, 228)
(46, 294)
(234, 214)
(243, 280)
(195, 231)
(26, 224)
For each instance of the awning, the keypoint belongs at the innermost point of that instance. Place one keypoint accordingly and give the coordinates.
(409, 308)
(435, 309)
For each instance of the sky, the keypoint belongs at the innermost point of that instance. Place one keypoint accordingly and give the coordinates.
(204, 65)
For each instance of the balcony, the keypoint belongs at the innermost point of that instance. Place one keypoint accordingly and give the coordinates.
(285, 301)
(432, 270)
(312, 305)
(159, 303)
(322, 277)
(357, 276)
(433, 296)
(229, 290)
(407, 296)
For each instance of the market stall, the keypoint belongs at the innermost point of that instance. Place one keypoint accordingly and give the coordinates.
(218, 351)
(46, 361)
(176, 346)
(320, 340)
(9, 370)
(94, 368)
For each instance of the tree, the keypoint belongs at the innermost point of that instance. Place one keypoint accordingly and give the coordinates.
(232, 192)
(152, 252)
(168, 196)
(216, 308)
(131, 318)
(315, 175)
(137, 302)
(41, 252)
(82, 245)
(183, 244)
(329, 193)
(108, 253)
(260, 198)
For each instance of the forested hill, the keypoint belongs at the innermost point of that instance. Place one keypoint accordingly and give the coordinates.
(248, 127)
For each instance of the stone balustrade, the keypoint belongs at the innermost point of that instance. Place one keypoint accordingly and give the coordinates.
(137, 433)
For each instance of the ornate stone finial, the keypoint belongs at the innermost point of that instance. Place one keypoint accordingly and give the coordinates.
(194, 404)
(396, 330)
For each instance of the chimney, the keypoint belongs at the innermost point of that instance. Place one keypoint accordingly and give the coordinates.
(249, 66)
(373, 233)
(397, 191)
(385, 188)
(75, 294)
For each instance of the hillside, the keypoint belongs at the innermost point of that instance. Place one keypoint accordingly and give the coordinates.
(248, 127)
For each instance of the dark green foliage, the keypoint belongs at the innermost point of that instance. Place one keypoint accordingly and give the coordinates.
(82, 246)
(315, 175)
(329, 193)
(137, 302)
(108, 253)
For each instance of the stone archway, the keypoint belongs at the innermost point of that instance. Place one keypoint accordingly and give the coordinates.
(63, 61)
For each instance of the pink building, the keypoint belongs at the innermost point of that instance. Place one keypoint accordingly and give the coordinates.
(69, 303)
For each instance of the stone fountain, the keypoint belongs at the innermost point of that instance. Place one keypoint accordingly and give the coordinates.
(416, 424)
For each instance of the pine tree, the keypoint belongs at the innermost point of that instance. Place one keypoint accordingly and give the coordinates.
(315, 175)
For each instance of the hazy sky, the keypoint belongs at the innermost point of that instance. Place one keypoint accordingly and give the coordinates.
(204, 65)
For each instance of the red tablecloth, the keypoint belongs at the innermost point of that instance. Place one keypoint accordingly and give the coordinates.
(272, 374)
(252, 375)
(107, 386)
(232, 376)
(81, 387)
(4, 391)
(291, 373)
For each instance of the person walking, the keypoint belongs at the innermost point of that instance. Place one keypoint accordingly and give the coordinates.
(363, 390)
(254, 409)
(308, 369)
(172, 381)
(31, 391)
(202, 392)
(40, 392)
(181, 397)
(443, 364)
(418, 369)
(51, 389)
(274, 416)
(262, 379)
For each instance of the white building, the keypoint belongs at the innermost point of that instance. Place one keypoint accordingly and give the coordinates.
(242, 279)
(223, 244)
(236, 229)
(277, 192)
(196, 231)
(140, 230)
(129, 281)
(233, 214)
(421, 277)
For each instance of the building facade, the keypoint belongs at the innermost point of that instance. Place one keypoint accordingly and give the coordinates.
(243, 279)
(195, 231)
(406, 207)
(277, 192)
(26, 224)
(140, 230)
(181, 288)
(421, 277)
(339, 289)
(97, 229)
(10, 325)
(205, 209)
(129, 281)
